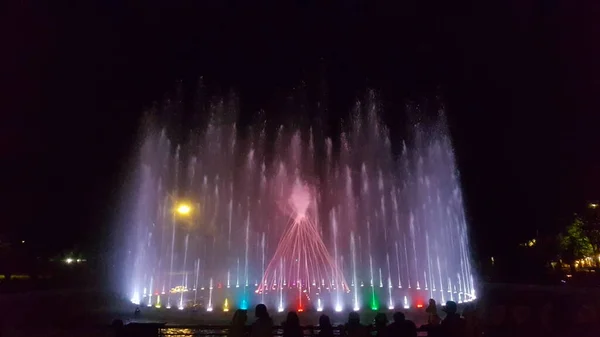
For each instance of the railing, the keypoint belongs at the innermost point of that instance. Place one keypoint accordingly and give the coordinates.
(215, 330)
(162, 330)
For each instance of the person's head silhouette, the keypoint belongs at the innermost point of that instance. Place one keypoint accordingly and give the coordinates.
(261, 311)
(292, 319)
(324, 321)
(399, 316)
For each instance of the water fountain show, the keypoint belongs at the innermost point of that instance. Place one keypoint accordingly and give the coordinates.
(232, 217)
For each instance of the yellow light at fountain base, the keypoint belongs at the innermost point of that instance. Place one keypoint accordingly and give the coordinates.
(226, 306)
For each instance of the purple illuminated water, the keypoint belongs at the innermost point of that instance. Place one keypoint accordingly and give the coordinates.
(296, 223)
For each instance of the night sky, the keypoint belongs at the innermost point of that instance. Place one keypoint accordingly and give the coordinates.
(519, 80)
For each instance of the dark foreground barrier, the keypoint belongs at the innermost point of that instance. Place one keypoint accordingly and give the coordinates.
(162, 330)
(522, 310)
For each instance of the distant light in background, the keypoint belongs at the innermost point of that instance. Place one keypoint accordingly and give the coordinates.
(22, 241)
(69, 260)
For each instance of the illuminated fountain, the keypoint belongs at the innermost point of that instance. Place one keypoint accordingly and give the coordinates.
(228, 219)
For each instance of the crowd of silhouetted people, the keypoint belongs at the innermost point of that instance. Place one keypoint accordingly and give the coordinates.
(453, 325)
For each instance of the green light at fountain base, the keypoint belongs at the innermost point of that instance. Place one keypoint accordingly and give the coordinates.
(374, 302)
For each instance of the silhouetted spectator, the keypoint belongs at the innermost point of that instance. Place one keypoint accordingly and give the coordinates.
(137, 312)
(353, 328)
(325, 327)
(401, 327)
(433, 328)
(381, 325)
(263, 326)
(472, 325)
(238, 323)
(453, 325)
(117, 326)
(291, 326)
(431, 309)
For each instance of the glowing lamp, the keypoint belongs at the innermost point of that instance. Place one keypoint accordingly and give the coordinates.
(419, 305)
(391, 307)
(209, 309)
(280, 309)
(319, 309)
(180, 307)
(184, 209)
(69, 260)
(300, 310)
(338, 308)
(356, 308)
(168, 306)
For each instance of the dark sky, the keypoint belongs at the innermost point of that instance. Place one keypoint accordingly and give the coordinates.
(520, 81)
